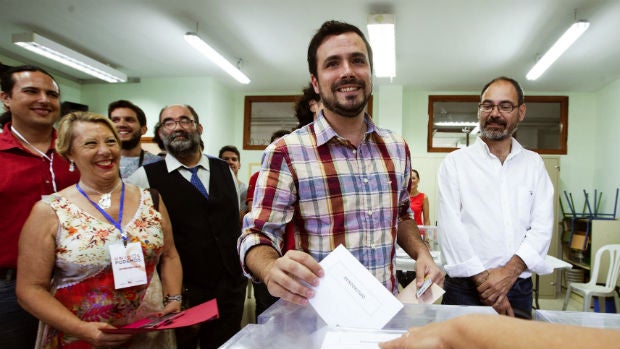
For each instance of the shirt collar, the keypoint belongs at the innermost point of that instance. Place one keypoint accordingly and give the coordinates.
(324, 131)
(515, 148)
(173, 163)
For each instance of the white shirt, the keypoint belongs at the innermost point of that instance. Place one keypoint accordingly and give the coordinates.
(489, 212)
(140, 178)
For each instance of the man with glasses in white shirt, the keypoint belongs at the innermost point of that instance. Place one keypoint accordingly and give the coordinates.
(495, 210)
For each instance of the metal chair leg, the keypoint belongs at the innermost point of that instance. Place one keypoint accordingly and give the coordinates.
(567, 298)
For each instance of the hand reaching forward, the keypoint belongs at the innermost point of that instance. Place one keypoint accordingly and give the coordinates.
(425, 266)
(288, 277)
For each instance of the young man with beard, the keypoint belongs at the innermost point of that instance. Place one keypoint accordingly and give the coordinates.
(339, 180)
(203, 205)
(130, 121)
(495, 210)
(31, 167)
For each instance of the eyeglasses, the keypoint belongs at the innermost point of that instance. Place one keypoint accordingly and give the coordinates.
(184, 122)
(504, 107)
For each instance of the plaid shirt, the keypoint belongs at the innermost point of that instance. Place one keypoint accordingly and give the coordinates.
(334, 194)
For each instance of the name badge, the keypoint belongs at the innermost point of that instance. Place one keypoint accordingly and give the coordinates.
(128, 265)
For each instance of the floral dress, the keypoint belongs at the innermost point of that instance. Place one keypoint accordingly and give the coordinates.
(83, 280)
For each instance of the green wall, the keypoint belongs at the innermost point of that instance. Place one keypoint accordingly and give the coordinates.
(214, 103)
(607, 130)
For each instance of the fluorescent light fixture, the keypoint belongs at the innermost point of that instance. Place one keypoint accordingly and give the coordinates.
(64, 55)
(457, 123)
(564, 42)
(204, 48)
(383, 43)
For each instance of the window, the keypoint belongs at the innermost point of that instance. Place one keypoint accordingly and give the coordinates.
(453, 121)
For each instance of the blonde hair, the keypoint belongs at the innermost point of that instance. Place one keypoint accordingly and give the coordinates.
(65, 129)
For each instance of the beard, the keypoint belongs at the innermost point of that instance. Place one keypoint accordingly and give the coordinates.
(497, 134)
(189, 144)
(132, 142)
(351, 108)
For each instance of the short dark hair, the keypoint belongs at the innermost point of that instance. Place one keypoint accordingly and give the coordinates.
(8, 81)
(302, 107)
(515, 84)
(330, 28)
(279, 133)
(122, 103)
(156, 138)
(231, 148)
(189, 107)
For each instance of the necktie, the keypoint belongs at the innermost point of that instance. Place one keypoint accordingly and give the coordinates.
(197, 183)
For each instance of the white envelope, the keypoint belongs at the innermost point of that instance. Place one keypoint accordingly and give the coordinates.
(350, 296)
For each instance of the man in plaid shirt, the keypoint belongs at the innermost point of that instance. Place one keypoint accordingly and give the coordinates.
(340, 180)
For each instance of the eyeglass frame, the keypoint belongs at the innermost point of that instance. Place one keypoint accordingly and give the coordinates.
(513, 107)
(183, 122)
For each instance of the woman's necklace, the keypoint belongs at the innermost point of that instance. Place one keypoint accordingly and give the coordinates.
(105, 201)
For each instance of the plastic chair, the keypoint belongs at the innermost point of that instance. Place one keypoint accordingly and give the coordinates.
(589, 289)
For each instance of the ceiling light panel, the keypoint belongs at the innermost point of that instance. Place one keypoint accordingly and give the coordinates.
(64, 55)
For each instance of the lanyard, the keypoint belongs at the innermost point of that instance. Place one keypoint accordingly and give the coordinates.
(141, 158)
(116, 224)
(49, 158)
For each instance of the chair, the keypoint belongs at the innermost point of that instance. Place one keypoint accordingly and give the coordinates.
(589, 289)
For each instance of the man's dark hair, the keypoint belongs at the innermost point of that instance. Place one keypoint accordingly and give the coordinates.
(156, 137)
(127, 104)
(8, 82)
(331, 28)
(302, 107)
(231, 148)
(514, 83)
(279, 133)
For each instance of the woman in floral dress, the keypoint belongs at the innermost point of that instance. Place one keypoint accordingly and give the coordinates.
(71, 239)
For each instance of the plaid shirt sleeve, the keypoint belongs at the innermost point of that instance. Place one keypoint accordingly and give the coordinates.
(274, 196)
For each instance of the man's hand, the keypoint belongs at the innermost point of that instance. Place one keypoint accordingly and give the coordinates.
(493, 286)
(496, 284)
(502, 307)
(424, 265)
(500, 304)
(288, 276)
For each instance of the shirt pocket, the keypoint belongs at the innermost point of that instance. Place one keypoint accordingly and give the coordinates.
(525, 205)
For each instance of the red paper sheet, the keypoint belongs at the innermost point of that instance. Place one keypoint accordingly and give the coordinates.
(194, 315)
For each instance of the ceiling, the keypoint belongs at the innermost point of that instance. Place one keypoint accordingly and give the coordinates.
(442, 45)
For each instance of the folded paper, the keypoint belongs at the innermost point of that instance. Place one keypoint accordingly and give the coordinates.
(194, 315)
